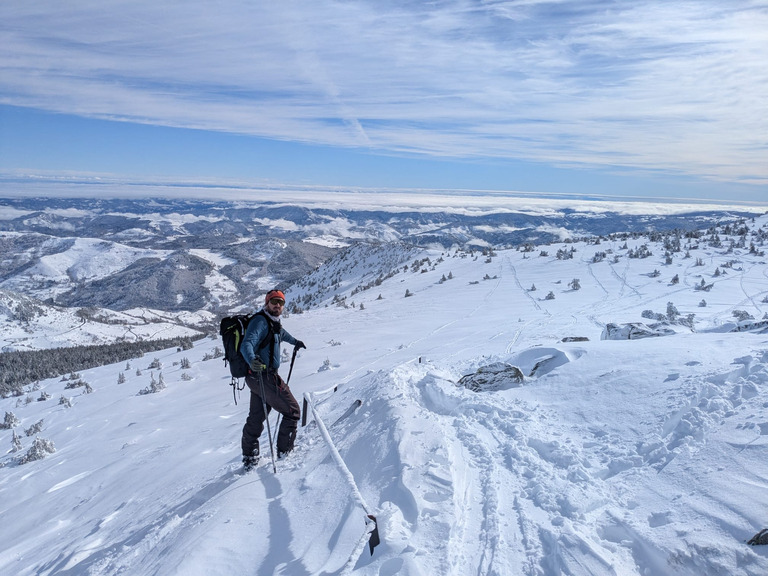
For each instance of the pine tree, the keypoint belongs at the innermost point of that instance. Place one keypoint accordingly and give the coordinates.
(34, 429)
(10, 421)
(39, 450)
(16, 442)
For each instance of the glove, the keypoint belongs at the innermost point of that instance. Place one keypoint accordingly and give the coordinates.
(257, 366)
(299, 345)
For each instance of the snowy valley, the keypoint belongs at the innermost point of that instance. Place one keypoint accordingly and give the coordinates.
(590, 406)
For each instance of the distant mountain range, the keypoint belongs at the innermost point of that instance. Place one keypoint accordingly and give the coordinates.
(181, 264)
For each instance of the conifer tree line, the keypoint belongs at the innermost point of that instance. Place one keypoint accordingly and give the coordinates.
(20, 368)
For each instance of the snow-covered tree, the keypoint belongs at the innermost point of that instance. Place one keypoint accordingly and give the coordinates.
(39, 450)
(154, 385)
(16, 442)
(672, 312)
(10, 421)
(34, 429)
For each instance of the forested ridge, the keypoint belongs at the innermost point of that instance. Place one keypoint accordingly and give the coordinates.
(19, 368)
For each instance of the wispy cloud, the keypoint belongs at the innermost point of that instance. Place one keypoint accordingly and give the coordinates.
(674, 86)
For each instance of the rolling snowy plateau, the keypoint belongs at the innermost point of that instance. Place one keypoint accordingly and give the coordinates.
(596, 407)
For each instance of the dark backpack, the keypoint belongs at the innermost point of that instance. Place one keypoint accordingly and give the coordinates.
(232, 330)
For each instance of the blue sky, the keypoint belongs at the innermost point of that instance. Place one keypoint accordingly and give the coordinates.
(642, 99)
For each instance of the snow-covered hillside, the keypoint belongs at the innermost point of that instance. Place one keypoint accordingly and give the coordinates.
(28, 324)
(626, 457)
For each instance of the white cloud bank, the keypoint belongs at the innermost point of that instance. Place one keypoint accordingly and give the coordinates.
(676, 86)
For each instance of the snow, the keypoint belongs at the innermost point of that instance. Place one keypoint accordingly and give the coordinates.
(55, 327)
(626, 457)
(77, 259)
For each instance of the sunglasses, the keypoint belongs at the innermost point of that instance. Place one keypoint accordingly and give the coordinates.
(277, 301)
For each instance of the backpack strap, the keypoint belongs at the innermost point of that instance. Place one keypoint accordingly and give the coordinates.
(269, 339)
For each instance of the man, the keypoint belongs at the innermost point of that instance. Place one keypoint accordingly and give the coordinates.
(261, 349)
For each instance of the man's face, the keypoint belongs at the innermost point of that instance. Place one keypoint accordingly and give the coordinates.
(275, 306)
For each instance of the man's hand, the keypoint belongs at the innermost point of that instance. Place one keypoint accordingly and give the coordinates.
(257, 366)
(299, 345)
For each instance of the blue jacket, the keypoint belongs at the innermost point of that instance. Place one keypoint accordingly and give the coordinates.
(256, 332)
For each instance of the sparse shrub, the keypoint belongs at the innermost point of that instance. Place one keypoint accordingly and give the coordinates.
(66, 402)
(215, 353)
(16, 442)
(75, 384)
(121, 378)
(185, 364)
(550, 296)
(154, 386)
(742, 315)
(10, 421)
(672, 312)
(39, 450)
(34, 429)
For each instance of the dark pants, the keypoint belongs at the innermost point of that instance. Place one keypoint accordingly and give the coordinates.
(278, 396)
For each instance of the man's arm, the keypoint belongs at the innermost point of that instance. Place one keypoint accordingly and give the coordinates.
(257, 329)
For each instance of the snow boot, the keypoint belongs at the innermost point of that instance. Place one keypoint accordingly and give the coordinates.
(249, 462)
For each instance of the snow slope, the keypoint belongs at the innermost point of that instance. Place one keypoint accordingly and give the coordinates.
(634, 457)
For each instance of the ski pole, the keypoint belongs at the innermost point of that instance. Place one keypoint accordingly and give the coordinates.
(266, 417)
(293, 359)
